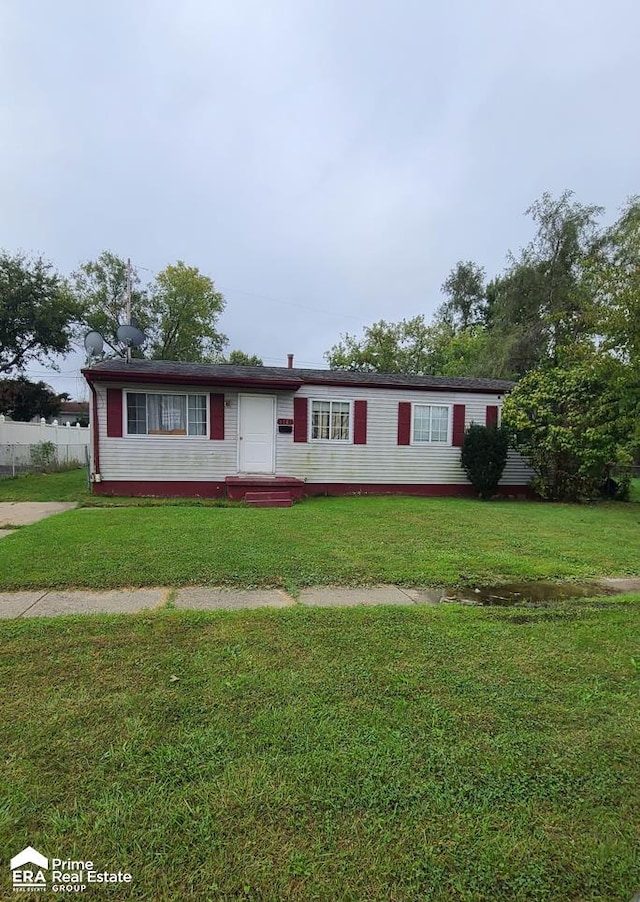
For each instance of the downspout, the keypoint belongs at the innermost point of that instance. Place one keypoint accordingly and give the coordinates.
(95, 476)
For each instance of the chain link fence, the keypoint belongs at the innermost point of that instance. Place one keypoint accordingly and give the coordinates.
(43, 457)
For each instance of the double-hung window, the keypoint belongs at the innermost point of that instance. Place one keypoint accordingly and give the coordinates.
(430, 423)
(331, 421)
(155, 413)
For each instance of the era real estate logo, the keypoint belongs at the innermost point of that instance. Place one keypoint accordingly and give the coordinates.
(31, 877)
(30, 872)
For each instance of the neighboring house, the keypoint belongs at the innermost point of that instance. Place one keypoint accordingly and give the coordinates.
(71, 412)
(74, 412)
(180, 429)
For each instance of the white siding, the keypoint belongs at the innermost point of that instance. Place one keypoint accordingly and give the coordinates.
(179, 457)
(381, 460)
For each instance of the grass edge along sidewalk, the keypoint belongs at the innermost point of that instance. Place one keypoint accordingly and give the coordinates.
(51, 603)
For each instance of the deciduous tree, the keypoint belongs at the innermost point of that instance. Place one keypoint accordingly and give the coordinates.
(571, 423)
(465, 291)
(178, 311)
(37, 312)
(24, 400)
(100, 287)
(239, 358)
(542, 304)
(403, 347)
(185, 308)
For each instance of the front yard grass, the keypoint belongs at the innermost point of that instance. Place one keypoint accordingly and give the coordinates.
(68, 485)
(348, 541)
(379, 754)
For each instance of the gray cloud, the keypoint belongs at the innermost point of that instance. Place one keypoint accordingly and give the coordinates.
(326, 162)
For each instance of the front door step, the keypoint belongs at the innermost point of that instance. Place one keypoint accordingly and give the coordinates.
(240, 487)
(268, 499)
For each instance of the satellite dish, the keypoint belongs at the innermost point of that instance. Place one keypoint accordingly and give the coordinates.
(130, 336)
(93, 344)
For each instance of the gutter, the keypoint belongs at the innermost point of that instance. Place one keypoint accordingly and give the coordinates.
(178, 379)
(95, 476)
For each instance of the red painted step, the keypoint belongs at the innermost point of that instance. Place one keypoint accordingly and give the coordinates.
(267, 496)
(268, 499)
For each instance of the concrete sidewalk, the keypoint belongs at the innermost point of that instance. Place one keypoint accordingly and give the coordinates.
(48, 603)
(24, 513)
(201, 598)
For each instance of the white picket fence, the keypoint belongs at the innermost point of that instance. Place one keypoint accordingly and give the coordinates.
(21, 445)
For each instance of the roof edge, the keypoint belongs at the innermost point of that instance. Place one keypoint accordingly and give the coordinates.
(412, 386)
(93, 376)
(291, 383)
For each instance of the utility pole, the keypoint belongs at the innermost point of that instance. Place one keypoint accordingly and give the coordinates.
(128, 304)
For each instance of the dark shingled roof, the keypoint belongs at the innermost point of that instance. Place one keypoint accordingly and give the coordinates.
(278, 376)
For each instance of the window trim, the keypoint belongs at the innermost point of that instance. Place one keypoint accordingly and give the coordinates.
(420, 443)
(166, 435)
(330, 441)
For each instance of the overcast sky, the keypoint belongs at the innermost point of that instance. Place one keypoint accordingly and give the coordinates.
(327, 163)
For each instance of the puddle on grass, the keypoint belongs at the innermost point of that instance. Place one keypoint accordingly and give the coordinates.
(517, 594)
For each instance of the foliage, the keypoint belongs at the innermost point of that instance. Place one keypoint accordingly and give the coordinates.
(24, 400)
(569, 422)
(519, 320)
(43, 455)
(465, 290)
(403, 347)
(177, 311)
(413, 347)
(457, 352)
(239, 358)
(614, 278)
(100, 287)
(541, 304)
(185, 307)
(37, 312)
(484, 456)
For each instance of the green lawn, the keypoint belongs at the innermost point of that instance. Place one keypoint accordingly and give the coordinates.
(411, 541)
(369, 754)
(69, 485)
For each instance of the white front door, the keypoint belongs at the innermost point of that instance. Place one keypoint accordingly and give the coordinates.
(256, 433)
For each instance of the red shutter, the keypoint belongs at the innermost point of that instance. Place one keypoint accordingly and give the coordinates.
(492, 415)
(216, 417)
(359, 422)
(458, 424)
(404, 423)
(114, 412)
(300, 415)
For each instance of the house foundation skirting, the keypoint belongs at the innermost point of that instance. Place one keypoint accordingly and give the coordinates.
(235, 488)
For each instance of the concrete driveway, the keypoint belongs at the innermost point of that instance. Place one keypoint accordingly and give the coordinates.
(24, 513)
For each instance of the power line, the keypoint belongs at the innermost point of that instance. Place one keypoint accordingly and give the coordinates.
(271, 299)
